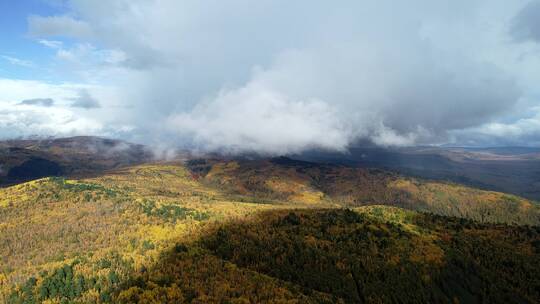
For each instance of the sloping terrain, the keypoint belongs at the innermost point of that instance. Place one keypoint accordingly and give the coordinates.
(513, 170)
(283, 179)
(24, 160)
(114, 225)
(380, 254)
(270, 231)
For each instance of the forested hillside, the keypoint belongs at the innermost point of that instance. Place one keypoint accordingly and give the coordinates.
(283, 179)
(215, 231)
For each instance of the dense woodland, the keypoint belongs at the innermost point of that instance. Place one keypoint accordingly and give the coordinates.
(264, 231)
(283, 179)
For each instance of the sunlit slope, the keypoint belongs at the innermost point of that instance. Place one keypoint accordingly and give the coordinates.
(295, 181)
(167, 233)
(314, 256)
(131, 215)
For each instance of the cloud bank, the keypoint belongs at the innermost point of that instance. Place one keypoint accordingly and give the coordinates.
(526, 25)
(85, 100)
(278, 77)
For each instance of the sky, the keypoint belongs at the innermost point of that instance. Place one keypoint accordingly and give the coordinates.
(272, 77)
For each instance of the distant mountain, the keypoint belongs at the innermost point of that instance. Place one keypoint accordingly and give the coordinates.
(513, 170)
(508, 169)
(287, 180)
(23, 160)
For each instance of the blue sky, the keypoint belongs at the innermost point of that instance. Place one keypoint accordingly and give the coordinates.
(273, 77)
(16, 43)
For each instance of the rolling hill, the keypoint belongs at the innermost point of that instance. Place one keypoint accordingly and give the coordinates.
(284, 179)
(513, 170)
(279, 230)
(24, 160)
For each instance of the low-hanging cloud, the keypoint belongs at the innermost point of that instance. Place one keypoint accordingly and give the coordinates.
(44, 102)
(278, 77)
(85, 101)
(257, 119)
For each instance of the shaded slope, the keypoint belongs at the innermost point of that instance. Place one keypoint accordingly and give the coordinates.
(34, 168)
(373, 255)
(24, 160)
(514, 170)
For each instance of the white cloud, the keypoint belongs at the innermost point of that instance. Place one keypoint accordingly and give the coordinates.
(87, 63)
(28, 120)
(17, 90)
(38, 108)
(54, 26)
(385, 136)
(257, 119)
(53, 44)
(520, 132)
(19, 62)
(280, 76)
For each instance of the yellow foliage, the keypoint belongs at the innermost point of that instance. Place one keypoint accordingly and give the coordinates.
(136, 214)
